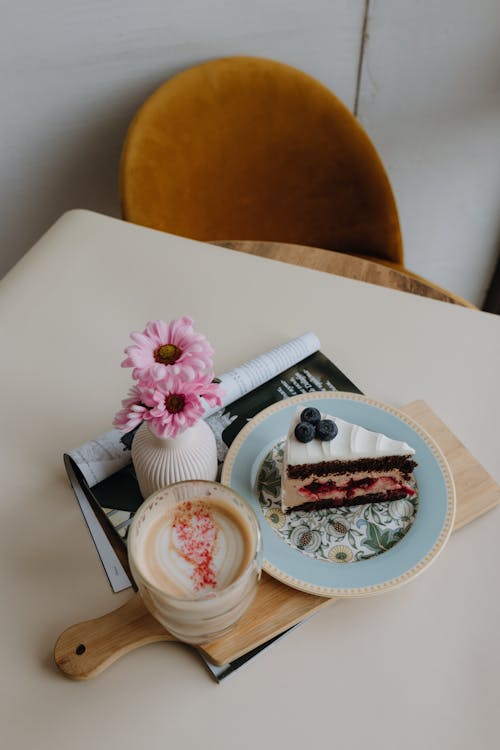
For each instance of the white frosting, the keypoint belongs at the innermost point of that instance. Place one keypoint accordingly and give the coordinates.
(350, 443)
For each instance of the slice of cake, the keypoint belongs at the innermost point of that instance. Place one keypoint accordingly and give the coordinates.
(330, 463)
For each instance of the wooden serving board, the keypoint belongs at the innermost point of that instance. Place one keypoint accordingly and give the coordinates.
(86, 649)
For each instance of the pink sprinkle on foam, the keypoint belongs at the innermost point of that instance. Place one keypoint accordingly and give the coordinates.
(195, 535)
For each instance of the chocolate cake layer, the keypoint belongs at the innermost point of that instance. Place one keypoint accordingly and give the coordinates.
(376, 497)
(384, 463)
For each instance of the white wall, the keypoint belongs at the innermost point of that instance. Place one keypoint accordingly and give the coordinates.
(75, 71)
(430, 100)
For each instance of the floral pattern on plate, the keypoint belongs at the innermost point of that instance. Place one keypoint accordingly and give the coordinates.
(338, 535)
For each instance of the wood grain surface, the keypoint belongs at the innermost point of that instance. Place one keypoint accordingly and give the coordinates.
(86, 649)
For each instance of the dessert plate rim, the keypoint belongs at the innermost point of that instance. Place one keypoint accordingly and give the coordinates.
(403, 562)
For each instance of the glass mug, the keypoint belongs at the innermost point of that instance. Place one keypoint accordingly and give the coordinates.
(195, 552)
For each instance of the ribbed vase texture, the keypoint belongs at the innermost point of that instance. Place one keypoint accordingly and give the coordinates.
(159, 462)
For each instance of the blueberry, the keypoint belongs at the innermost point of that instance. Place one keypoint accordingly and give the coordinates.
(311, 415)
(304, 432)
(326, 429)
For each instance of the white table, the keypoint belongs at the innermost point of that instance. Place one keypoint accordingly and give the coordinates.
(418, 667)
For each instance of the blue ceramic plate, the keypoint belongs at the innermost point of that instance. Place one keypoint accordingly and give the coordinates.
(421, 541)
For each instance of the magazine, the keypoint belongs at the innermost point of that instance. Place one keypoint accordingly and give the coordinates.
(101, 457)
(101, 471)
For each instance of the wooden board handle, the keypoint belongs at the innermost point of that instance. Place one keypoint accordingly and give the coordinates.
(86, 649)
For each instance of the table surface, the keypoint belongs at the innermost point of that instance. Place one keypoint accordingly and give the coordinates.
(350, 266)
(419, 666)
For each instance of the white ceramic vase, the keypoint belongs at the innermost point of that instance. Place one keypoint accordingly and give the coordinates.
(159, 462)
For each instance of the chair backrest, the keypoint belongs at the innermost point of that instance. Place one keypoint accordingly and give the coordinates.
(247, 148)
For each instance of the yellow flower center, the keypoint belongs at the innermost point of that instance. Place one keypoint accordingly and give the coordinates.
(175, 403)
(167, 354)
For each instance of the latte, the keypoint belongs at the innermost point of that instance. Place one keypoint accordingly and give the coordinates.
(195, 554)
(196, 547)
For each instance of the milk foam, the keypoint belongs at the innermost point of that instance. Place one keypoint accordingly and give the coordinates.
(195, 548)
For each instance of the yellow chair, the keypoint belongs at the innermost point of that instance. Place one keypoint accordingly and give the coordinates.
(245, 148)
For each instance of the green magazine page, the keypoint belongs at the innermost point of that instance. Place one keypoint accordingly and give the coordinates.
(314, 373)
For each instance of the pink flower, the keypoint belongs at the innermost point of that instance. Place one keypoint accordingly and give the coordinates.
(176, 404)
(132, 412)
(211, 392)
(173, 348)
